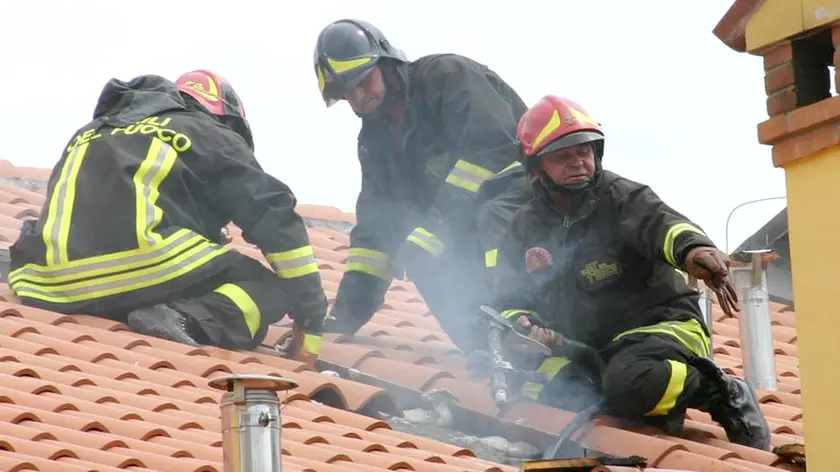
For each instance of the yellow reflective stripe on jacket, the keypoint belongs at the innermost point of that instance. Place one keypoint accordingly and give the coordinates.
(671, 238)
(491, 257)
(312, 343)
(468, 176)
(294, 263)
(676, 385)
(427, 240)
(245, 304)
(689, 333)
(551, 366)
(508, 314)
(107, 264)
(515, 164)
(155, 167)
(59, 212)
(124, 273)
(369, 261)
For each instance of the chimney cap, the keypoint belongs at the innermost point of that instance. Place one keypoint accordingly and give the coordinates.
(756, 251)
(253, 381)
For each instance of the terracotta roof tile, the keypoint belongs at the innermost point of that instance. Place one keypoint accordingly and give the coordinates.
(90, 394)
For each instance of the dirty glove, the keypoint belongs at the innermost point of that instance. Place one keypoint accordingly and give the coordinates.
(304, 345)
(562, 346)
(538, 332)
(712, 266)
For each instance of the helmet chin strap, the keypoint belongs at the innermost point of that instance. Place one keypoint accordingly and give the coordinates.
(573, 188)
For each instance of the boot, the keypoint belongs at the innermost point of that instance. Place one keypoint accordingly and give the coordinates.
(734, 405)
(162, 322)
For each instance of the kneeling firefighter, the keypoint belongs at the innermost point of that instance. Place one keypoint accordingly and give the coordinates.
(131, 225)
(595, 259)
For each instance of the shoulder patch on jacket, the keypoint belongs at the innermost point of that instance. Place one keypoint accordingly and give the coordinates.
(537, 258)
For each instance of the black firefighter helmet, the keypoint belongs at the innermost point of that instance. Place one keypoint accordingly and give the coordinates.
(345, 53)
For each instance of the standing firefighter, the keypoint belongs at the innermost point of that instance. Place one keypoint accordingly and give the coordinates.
(595, 259)
(130, 229)
(433, 131)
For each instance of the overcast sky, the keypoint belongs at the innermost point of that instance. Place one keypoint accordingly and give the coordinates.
(680, 109)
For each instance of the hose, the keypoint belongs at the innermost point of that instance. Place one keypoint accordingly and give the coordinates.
(580, 419)
(589, 357)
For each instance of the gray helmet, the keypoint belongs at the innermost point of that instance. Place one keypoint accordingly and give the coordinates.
(345, 53)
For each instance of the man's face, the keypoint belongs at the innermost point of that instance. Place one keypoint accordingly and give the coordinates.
(367, 97)
(571, 165)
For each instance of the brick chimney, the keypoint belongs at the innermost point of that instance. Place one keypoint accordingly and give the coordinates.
(799, 43)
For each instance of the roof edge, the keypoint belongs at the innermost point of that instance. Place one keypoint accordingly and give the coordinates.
(731, 29)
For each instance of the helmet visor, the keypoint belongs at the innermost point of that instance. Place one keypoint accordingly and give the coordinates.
(337, 77)
(580, 137)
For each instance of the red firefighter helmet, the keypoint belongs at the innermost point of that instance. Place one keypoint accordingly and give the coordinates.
(216, 95)
(555, 123)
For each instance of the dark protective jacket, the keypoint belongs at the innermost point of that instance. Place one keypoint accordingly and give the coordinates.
(420, 180)
(135, 205)
(609, 268)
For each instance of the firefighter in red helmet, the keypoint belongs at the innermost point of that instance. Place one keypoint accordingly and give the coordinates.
(131, 228)
(598, 259)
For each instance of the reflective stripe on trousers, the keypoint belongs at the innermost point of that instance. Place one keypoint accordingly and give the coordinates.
(245, 304)
(690, 334)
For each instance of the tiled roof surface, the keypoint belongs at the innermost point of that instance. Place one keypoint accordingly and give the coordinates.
(92, 395)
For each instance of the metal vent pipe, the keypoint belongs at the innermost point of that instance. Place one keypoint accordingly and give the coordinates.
(754, 322)
(251, 424)
(705, 303)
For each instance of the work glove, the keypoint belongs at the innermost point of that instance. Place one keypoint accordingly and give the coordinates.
(304, 345)
(537, 331)
(712, 267)
(562, 346)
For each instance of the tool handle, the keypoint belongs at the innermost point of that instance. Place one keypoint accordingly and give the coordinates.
(499, 379)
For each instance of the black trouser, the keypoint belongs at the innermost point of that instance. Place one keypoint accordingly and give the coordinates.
(648, 375)
(234, 309)
(457, 283)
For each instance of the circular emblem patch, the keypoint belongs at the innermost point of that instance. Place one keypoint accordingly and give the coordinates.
(537, 258)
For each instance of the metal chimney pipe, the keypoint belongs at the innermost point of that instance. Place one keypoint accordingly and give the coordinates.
(754, 322)
(251, 424)
(705, 303)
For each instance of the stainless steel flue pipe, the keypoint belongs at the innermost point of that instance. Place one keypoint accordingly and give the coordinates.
(754, 325)
(251, 424)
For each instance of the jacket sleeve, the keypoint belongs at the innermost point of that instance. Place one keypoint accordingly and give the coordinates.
(515, 292)
(479, 125)
(368, 271)
(656, 230)
(264, 208)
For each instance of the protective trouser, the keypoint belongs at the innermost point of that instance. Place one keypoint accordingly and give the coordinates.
(648, 375)
(234, 309)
